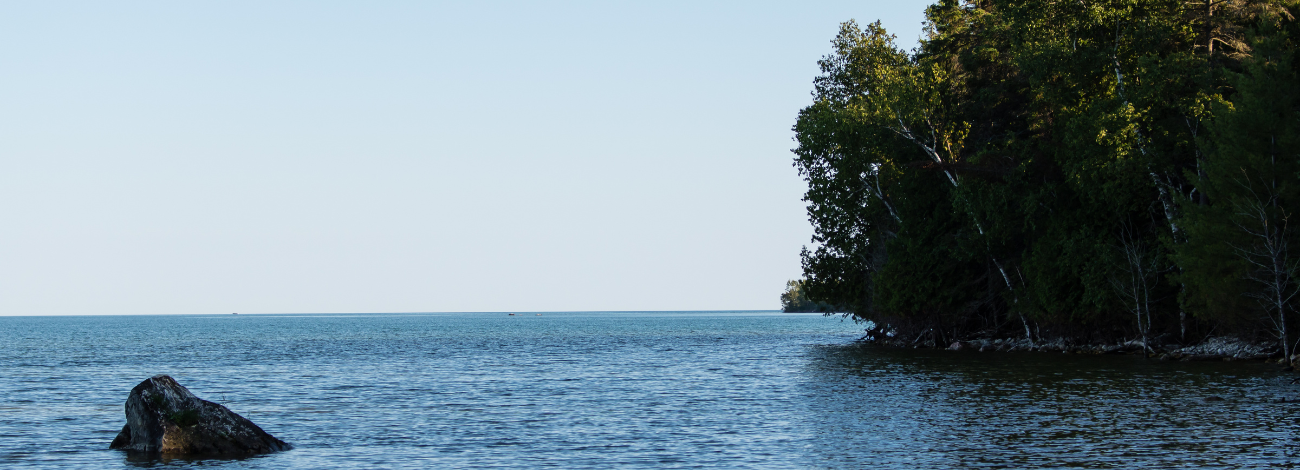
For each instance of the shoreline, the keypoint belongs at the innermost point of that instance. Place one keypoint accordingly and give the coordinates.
(1211, 349)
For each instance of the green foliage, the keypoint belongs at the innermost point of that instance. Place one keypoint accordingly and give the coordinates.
(794, 300)
(1252, 149)
(1002, 173)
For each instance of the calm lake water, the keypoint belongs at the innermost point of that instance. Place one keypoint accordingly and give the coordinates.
(598, 390)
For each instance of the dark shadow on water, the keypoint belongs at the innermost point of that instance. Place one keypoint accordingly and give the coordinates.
(157, 460)
(936, 409)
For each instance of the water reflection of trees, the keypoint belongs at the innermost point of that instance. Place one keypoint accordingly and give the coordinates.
(891, 407)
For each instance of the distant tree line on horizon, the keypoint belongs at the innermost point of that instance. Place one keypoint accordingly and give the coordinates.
(795, 300)
(1084, 170)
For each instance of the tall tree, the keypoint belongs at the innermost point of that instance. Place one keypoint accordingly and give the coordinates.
(979, 183)
(1239, 243)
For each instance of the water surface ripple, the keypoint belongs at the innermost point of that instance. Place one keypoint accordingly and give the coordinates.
(596, 390)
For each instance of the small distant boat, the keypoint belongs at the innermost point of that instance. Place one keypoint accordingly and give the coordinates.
(512, 314)
(539, 314)
(235, 313)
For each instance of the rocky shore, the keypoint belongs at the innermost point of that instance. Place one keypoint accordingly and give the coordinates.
(1212, 349)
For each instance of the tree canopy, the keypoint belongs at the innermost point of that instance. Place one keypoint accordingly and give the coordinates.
(1090, 170)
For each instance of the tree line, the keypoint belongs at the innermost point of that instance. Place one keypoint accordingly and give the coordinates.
(1091, 170)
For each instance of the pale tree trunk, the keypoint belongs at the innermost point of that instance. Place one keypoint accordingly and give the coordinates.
(1143, 271)
(1265, 225)
(1162, 183)
(872, 181)
(931, 149)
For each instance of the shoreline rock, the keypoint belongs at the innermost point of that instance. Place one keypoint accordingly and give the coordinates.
(163, 417)
(1212, 349)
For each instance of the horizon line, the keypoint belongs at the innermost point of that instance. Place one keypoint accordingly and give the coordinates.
(397, 313)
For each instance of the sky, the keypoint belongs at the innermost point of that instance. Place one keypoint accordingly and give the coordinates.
(317, 156)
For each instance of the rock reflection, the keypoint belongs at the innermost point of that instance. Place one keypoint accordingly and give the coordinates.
(155, 460)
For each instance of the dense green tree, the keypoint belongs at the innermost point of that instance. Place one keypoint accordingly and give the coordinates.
(793, 300)
(1238, 267)
(1079, 169)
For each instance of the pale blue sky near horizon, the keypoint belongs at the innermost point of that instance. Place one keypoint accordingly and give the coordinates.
(271, 157)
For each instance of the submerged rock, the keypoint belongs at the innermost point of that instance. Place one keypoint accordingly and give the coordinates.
(164, 417)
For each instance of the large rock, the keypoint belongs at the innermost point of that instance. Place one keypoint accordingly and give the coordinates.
(164, 417)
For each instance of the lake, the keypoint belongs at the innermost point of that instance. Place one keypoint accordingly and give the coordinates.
(628, 389)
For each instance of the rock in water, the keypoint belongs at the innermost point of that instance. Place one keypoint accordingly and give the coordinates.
(164, 417)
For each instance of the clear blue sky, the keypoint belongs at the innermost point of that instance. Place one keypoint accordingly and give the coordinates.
(213, 157)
